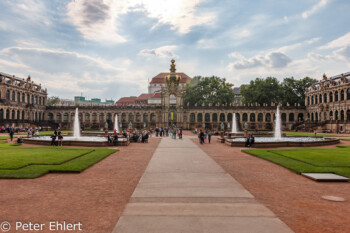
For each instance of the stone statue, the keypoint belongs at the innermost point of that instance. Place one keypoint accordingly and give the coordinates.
(130, 125)
(245, 125)
(222, 126)
(144, 124)
(228, 125)
(203, 126)
(106, 125)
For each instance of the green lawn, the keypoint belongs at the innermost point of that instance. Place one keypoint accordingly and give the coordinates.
(312, 134)
(300, 160)
(46, 132)
(31, 162)
(4, 137)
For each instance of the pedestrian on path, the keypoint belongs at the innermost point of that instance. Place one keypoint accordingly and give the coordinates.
(12, 132)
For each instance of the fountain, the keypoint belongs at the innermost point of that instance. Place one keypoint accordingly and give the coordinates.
(278, 125)
(234, 124)
(278, 141)
(76, 129)
(76, 139)
(116, 126)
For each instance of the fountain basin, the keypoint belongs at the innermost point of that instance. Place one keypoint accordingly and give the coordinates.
(270, 142)
(74, 141)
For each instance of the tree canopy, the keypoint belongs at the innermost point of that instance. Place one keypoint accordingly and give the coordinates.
(208, 90)
(53, 100)
(270, 90)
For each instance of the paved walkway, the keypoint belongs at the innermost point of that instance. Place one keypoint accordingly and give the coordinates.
(184, 190)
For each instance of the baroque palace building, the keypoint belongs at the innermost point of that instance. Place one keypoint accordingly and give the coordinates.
(23, 104)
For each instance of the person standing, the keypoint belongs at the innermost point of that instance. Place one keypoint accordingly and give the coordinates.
(53, 140)
(209, 137)
(12, 132)
(60, 139)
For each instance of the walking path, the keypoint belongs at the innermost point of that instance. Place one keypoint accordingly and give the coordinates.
(184, 190)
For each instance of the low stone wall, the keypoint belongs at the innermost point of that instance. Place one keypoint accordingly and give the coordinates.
(75, 143)
(328, 141)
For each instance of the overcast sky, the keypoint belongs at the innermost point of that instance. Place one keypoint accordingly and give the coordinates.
(110, 48)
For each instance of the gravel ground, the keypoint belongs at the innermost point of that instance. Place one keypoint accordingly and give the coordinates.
(95, 197)
(293, 198)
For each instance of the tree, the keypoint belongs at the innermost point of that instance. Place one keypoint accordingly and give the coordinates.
(52, 100)
(208, 90)
(293, 91)
(261, 91)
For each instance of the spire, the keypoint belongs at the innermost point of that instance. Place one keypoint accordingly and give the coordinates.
(172, 66)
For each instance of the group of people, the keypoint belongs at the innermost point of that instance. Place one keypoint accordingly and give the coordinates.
(57, 135)
(172, 131)
(203, 136)
(250, 140)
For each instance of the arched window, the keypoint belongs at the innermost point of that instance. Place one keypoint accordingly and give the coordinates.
(58, 117)
(245, 117)
(308, 100)
(131, 117)
(268, 117)
(320, 99)
(13, 115)
(153, 117)
(40, 116)
(238, 117)
(312, 100)
(348, 94)
(94, 116)
(36, 99)
(13, 96)
(284, 117)
(28, 99)
(18, 97)
(199, 117)
(87, 116)
(65, 117)
(40, 100)
(207, 117)
(336, 96)
(300, 117)
(260, 117)
(348, 115)
(252, 117)
(229, 117)
(325, 116)
(7, 114)
(331, 115)
(215, 117)
(123, 117)
(291, 117)
(23, 115)
(192, 117)
(50, 117)
(342, 115)
(145, 117)
(325, 98)
(32, 100)
(23, 97)
(342, 96)
(222, 117)
(312, 116)
(7, 95)
(316, 99)
(331, 97)
(1, 114)
(102, 117)
(18, 115)
(109, 116)
(336, 115)
(138, 117)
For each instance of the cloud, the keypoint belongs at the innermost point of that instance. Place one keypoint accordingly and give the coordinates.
(164, 51)
(271, 60)
(98, 20)
(95, 19)
(322, 3)
(339, 42)
(342, 54)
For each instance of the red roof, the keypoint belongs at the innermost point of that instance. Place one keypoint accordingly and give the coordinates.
(156, 95)
(126, 100)
(143, 97)
(160, 78)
